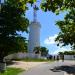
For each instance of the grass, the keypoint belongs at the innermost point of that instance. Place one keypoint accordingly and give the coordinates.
(12, 71)
(33, 60)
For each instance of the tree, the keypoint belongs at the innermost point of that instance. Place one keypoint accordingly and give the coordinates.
(57, 5)
(12, 20)
(44, 51)
(61, 53)
(67, 53)
(37, 50)
(67, 26)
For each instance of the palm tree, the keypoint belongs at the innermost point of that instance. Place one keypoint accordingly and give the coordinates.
(37, 50)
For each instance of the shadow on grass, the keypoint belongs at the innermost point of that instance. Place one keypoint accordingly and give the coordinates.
(68, 69)
(10, 63)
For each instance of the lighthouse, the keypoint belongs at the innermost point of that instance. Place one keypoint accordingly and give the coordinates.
(34, 32)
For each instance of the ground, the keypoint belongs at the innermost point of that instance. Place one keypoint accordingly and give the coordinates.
(47, 68)
(25, 65)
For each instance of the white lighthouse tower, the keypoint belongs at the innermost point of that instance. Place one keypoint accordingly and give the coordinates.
(34, 32)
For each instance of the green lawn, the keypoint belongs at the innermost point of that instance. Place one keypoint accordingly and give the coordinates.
(33, 60)
(12, 71)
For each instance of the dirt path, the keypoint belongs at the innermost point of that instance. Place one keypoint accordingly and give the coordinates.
(44, 68)
(25, 65)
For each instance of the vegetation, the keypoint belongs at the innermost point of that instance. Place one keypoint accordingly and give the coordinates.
(57, 5)
(42, 50)
(37, 50)
(67, 53)
(67, 26)
(12, 18)
(12, 71)
(12, 21)
(32, 60)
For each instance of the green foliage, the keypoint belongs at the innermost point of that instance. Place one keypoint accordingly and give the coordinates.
(12, 71)
(32, 60)
(67, 53)
(67, 34)
(57, 5)
(51, 5)
(42, 50)
(67, 27)
(37, 50)
(61, 53)
(12, 20)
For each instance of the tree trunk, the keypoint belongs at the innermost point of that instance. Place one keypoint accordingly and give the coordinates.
(2, 65)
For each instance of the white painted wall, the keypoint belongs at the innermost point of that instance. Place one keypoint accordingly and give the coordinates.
(34, 36)
(21, 55)
(69, 57)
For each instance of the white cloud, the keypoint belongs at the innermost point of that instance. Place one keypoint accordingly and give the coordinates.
(61, 50)
(50, 40)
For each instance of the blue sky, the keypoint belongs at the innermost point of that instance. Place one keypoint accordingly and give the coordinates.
(49, 30)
